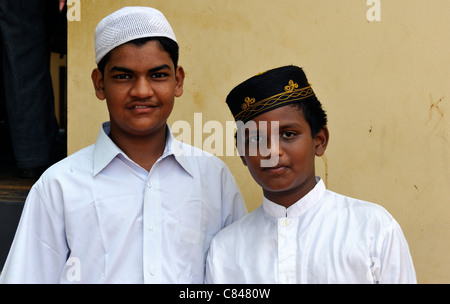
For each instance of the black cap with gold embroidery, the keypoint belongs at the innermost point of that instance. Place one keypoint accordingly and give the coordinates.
(267, 91)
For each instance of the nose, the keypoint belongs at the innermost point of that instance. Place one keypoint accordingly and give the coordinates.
(273, 152)
(270, 145)
(142, 88)
(274, 147)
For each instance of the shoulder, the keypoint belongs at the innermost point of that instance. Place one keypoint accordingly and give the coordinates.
(78, 164)
(344, 201)
(60, 180)
(356, 210)
(198, 158)
(240, 230)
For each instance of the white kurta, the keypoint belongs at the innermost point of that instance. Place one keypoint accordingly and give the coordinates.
(323, 238)
(98, 217)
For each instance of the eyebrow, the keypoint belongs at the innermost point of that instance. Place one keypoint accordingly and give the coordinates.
(290, 125)
(127, 70)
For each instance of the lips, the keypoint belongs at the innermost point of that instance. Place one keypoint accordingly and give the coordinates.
(277, 170)
(141, 106)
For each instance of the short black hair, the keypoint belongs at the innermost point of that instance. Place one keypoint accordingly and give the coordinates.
(166, 44)
(313, 113)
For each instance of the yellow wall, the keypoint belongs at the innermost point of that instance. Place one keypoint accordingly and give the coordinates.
(385, 86)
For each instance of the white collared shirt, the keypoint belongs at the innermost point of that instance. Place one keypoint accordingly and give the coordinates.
(323, 238)
(98, 217)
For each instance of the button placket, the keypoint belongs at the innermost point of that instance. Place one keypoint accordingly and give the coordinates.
(152, 233)
(286, 251)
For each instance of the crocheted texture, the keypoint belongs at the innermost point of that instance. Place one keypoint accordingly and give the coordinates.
(127, 24)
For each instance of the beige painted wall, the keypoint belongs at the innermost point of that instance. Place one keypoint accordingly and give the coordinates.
(385, 86)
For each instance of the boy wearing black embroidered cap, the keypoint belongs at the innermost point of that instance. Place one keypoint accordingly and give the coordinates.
(302, 233)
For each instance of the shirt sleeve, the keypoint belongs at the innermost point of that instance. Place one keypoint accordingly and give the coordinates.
(395, 265)
(209, 272)
(39, 250)
(232, 202)
(217, 268)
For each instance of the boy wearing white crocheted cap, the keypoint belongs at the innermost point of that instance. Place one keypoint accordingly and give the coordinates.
(138, 75)
(138, 206)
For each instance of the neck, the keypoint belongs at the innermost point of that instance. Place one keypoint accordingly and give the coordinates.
(143, 150)
(289, 197)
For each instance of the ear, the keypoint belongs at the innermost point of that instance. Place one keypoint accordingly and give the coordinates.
(179, 79)
(99, 84)
(240, 149)
(321, 141)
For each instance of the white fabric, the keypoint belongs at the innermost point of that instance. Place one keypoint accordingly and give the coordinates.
(129, 23)
(323, 238)
(98, 217)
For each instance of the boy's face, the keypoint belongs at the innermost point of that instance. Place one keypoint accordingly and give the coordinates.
(140, 84)
(293, 175)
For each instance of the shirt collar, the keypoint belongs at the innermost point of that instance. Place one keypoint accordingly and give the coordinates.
(300, 207)
(105, 150)
(175, 147)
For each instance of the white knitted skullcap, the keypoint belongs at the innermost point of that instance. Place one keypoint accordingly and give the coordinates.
(129, 23)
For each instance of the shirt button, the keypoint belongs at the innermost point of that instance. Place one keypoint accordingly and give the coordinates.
(285, 222)
(151, 228)
(149, 184)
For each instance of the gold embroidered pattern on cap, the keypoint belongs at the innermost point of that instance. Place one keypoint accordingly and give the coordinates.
(291, 93)
(248, 101)
(292, 85)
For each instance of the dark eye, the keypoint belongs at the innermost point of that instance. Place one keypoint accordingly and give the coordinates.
(159, 75)
(288, 135)
(121, 76)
